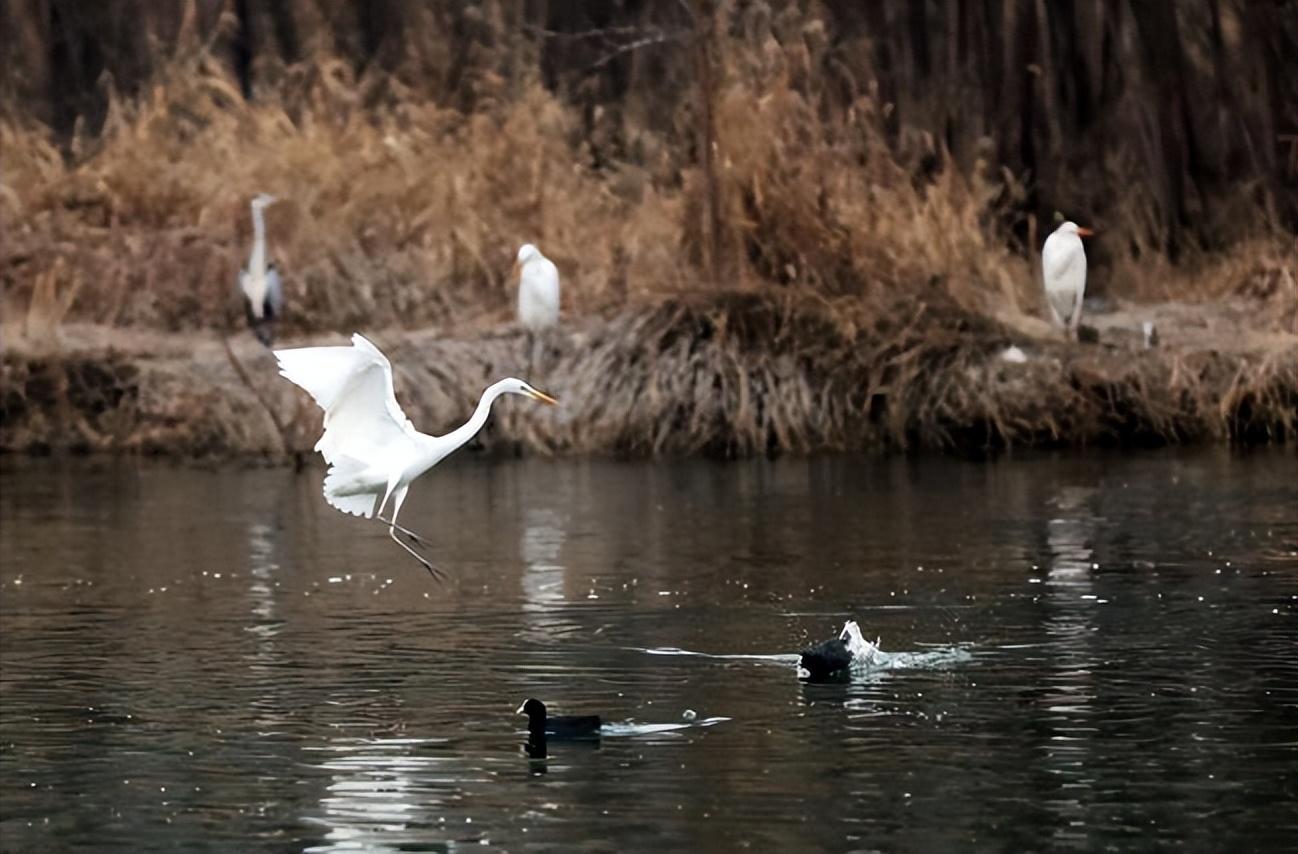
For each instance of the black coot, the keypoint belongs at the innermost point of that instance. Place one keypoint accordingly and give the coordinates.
(558, 726)
(827, 661)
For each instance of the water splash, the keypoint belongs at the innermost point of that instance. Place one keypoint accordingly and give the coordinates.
(867, 658)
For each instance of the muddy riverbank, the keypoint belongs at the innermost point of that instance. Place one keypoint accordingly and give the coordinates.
(727, 375)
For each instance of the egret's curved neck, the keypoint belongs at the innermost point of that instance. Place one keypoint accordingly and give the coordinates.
(466, 431)
(257, 262)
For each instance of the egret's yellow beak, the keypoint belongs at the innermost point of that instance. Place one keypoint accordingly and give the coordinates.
(544, 398)
(515, 270)
(1084, 232)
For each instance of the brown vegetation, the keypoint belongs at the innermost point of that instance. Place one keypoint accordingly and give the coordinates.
(757, 207)
(726, 374)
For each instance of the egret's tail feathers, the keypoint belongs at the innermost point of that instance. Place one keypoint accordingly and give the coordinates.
(343, 489)
(356, 505)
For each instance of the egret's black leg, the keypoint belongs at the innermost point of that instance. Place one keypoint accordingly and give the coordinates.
(397, 498)
(432, 570)
(418, 540)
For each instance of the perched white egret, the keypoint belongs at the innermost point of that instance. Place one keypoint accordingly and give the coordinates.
(373, 451)
(538, 289)
(259, 281)
(1063, 267)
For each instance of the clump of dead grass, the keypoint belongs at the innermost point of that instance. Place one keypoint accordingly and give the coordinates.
(742, 373)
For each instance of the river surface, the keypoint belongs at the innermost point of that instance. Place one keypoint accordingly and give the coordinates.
(1102, 652)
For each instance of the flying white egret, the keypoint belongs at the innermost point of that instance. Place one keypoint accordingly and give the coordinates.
(373, 451)
(1063, 267)
(538, 289)
(259, 281)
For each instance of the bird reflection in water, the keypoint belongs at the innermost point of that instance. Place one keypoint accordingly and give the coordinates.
(262, 566)
(1070, 630)
(535, 748)
(539, 546)
(382, 793)
(271, 705)
(541, 542)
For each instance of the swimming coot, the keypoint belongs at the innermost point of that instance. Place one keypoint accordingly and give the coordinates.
(827, 661)
(559, 726)
(833, 660)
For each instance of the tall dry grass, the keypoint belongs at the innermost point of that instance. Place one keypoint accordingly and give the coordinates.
(405, 213)
(828, 149)
(409, 213)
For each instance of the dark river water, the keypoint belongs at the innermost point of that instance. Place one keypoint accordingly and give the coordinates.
(1105, 657)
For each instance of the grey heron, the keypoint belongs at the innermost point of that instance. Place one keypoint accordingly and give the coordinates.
(259, 281)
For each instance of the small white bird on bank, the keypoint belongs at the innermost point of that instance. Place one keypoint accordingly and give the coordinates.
(1063, 268)
(373, 451)
(259, 281)
(538, 289)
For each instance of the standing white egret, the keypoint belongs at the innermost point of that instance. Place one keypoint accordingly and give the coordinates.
(259, 281)
(373, 451)
(538, 289)
(1063, 267)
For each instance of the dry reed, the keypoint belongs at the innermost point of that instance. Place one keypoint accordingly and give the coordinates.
(847, 151)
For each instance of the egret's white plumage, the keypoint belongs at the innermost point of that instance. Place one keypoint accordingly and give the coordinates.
(373, 451)
(1063, 269)
(538, 289)
(259, 281)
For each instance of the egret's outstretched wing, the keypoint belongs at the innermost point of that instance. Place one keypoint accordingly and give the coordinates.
(353, 385)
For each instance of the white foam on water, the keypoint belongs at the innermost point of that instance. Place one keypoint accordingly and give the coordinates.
(631, 728)
(867, 657)
(782, 658)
